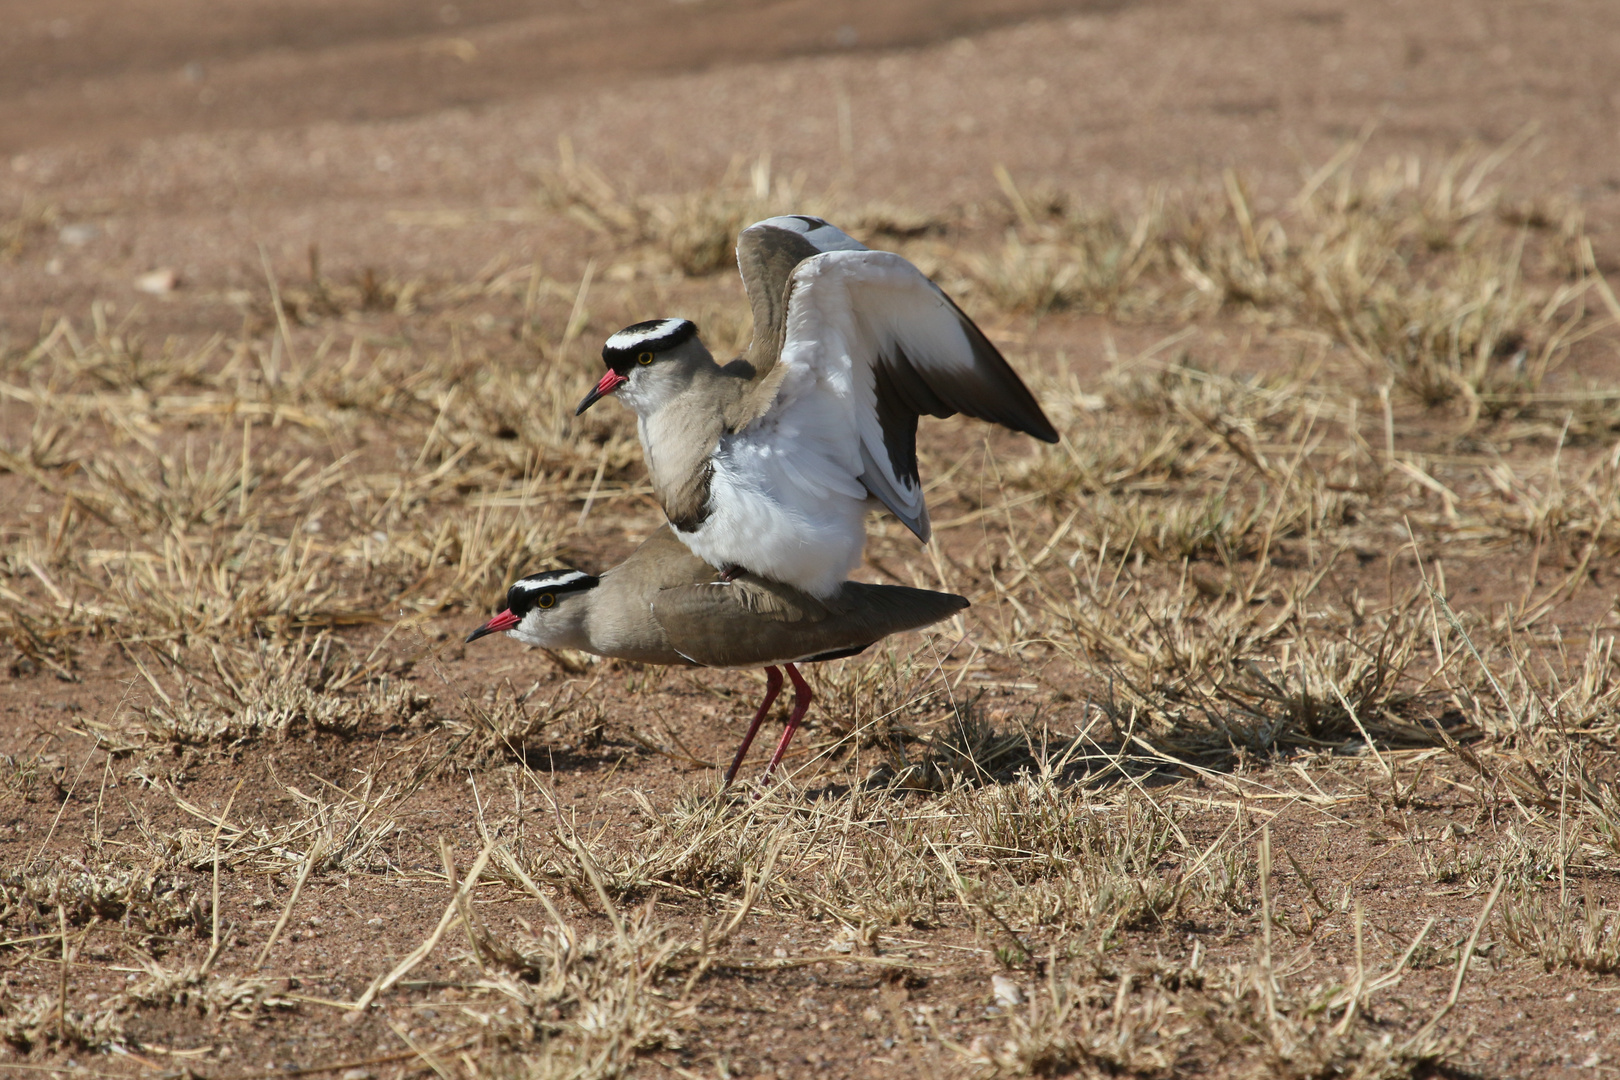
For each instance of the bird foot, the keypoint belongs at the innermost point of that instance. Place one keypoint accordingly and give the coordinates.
(731, 572)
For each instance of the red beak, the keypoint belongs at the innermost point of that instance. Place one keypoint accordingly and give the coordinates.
(610, 382)
(504, 621)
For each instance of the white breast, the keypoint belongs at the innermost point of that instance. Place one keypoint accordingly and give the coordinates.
(784, 501)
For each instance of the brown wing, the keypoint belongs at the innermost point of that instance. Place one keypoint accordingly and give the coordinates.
(909, 384)
(752, 622)
(767, 252)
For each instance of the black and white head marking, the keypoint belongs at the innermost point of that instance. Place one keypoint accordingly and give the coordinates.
(544, 590)
(641, 343)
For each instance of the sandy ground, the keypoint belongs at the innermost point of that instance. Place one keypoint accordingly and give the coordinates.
(1106, 99)
(173, 136)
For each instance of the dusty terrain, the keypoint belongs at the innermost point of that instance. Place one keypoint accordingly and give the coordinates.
(1278, 740)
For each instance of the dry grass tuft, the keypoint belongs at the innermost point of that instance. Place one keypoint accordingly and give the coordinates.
(196, 989)
(1428, 274)
(139, 899)
(589, 1005)
(528, 726)
(1078, 1027)
(1582, 934)
(24, 230)
(279, 689)
(39, 1022)
(695, 232)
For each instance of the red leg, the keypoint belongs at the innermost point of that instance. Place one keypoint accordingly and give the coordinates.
(802, 697)
(773, 686)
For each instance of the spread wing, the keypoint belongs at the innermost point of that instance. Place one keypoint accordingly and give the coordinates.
(867, 338)
(767, 253)
(752, 621)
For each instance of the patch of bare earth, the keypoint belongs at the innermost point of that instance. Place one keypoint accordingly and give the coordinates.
(1278, 740)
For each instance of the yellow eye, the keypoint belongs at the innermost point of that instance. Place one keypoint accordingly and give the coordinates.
(644, 358)
(546, 600)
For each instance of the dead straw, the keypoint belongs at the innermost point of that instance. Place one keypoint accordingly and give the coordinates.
(310, 859)
(422, 951)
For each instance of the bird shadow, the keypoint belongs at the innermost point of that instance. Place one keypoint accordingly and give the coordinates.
(968, 748)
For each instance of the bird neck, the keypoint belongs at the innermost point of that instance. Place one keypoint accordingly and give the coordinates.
(678, 436)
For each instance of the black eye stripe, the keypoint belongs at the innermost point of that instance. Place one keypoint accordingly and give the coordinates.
(543, 590)
(624, 350)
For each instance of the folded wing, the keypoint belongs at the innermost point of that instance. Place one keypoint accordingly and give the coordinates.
(752, 621)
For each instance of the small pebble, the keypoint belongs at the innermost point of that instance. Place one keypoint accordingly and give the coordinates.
(157, 282)
(1007, 992)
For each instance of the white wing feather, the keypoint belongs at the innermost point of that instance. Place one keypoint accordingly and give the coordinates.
(849, 310)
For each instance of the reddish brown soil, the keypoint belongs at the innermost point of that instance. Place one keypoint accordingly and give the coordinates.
(186, 134)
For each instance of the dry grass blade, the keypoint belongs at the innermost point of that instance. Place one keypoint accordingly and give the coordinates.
(422, 951)
(310, 859)
(1463, 960)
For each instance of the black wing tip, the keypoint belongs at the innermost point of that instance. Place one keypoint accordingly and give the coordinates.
(939, 605)
(1025, 414)
(1022, 413)
(1032, 423)
(1030, 420)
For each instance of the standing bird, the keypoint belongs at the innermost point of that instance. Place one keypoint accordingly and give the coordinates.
(764, 464)
(664, 605)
